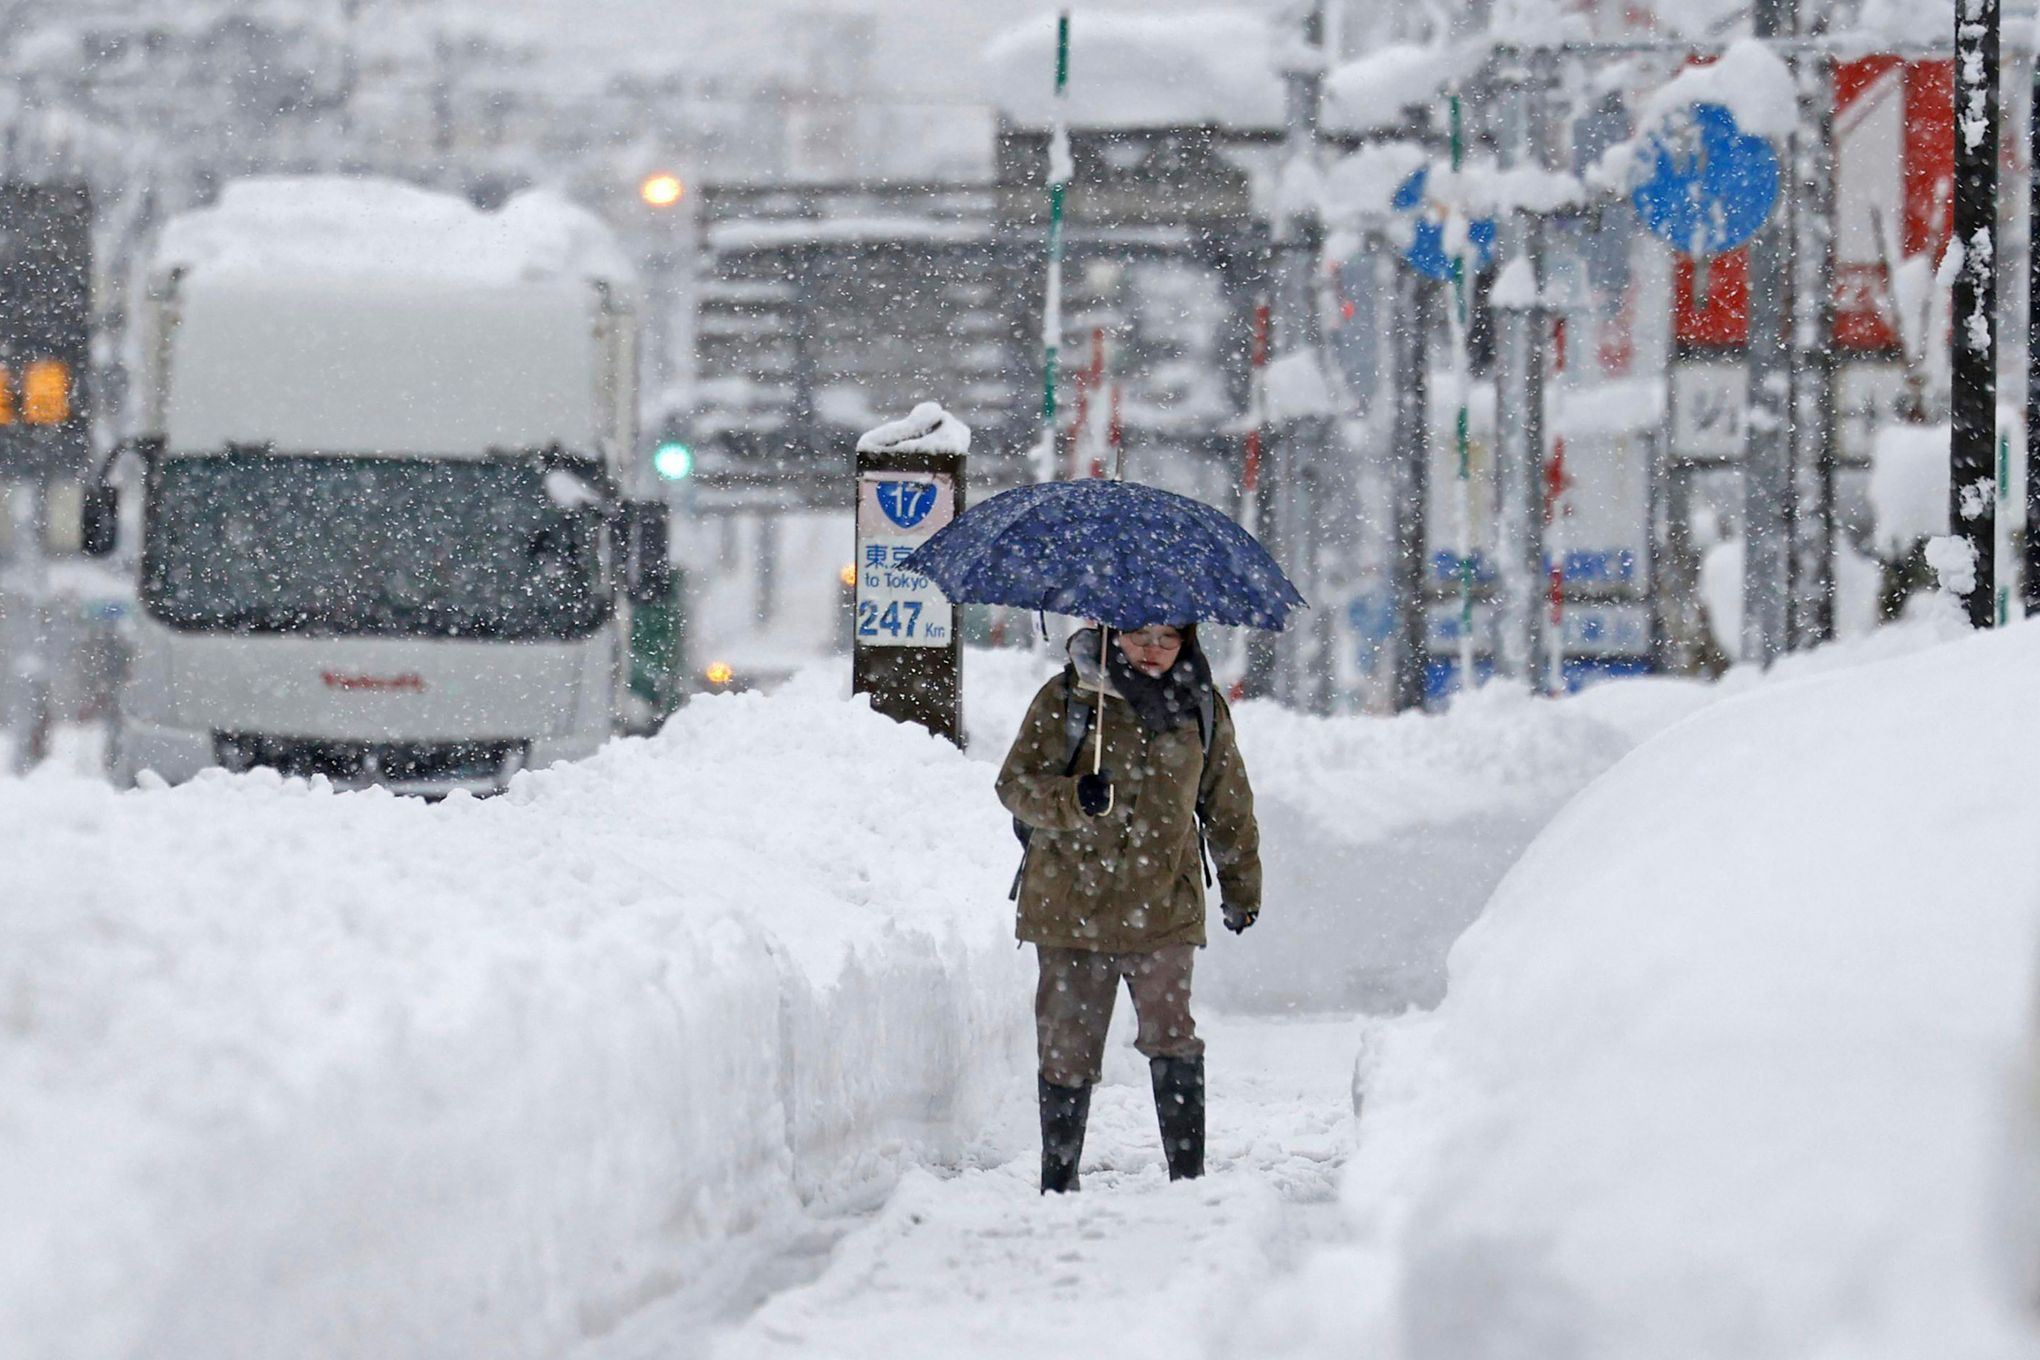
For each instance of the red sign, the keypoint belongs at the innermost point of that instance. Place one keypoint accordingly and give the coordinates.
(410, 682)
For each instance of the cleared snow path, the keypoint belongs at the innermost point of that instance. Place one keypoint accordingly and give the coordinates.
(972, 1261)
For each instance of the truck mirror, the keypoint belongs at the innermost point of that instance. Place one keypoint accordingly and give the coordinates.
(647, 534)
(98, 520)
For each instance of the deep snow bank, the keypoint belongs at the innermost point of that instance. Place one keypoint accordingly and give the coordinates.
(290, 1072)
(1728, 1065)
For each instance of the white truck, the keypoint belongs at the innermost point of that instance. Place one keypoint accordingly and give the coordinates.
(387, 444)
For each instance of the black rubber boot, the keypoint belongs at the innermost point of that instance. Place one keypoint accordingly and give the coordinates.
(1064, 1110)
(1179, 1102)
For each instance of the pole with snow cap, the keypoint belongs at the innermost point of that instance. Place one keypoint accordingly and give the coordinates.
(1972, 445)
(907, 654)
(1059, 170)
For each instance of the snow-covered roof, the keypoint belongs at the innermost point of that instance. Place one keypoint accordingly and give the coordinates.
(1371, 93)
(1174, 69)
(1193, 68)
(332, 226)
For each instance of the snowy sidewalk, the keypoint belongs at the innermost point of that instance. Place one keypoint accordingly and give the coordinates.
(976, 1263)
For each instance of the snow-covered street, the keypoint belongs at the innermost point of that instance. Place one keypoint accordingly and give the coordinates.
(620, 620)
(970, 1260)
(610, 1070)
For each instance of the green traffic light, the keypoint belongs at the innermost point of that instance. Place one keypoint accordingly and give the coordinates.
(673, 460)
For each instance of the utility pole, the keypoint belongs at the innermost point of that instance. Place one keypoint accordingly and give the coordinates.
(1972, 451)
(1767, 450)
(1408, 333)
(1299, 446)
(1519, 387)
(1811, 196)
(1059, 171)
(1255, 508)
(2031, 576)
(1464, 548)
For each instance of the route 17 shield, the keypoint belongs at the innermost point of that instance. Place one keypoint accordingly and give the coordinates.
(896, 513)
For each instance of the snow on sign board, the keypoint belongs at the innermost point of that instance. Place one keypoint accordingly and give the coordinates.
(1711, 185)
(896, 513)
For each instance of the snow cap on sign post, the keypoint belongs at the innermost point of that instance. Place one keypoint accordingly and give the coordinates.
(926, 429)
(1515, 287)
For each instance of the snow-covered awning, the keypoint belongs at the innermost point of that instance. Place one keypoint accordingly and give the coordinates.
(1199, 68)
(799, 231)
(1181, 69)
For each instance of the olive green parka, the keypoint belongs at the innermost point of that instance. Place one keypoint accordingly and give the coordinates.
(1131, 878)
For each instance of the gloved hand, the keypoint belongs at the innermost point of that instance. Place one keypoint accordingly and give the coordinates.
(1094, 793)
(1238, 919)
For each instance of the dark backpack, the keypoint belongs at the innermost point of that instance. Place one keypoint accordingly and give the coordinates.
(1077, 719)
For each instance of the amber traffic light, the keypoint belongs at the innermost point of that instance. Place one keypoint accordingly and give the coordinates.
(46, 392)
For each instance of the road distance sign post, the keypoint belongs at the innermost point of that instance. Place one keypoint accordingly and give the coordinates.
(907, 654)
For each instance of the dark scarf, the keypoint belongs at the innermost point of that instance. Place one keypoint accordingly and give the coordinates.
(1166, 700)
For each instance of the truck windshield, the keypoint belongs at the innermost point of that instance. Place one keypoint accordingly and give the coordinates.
(266, 543)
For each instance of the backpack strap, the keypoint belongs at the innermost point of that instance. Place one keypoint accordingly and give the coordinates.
(1077, 717)
(1076, 726)
(1207, 723)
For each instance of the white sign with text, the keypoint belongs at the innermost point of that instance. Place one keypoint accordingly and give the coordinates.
(896, 513)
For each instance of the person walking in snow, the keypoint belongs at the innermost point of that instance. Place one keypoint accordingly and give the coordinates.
(1112, 883)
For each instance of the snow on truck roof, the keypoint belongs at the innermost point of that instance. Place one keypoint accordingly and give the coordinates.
(313, 227)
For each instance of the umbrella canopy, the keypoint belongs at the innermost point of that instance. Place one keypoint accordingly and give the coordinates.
(1125, 554)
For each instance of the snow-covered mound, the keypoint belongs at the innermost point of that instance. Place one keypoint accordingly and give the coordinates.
(1728, 1066)
(288, 1072)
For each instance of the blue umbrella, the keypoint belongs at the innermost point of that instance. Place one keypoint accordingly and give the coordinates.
(1122, 553)
(1125, 554)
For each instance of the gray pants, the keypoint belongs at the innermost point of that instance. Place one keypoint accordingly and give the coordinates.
(1073, 1007)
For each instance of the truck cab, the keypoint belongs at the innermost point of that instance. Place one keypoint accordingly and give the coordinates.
(387, 534)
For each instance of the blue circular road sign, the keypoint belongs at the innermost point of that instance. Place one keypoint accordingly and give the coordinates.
(1711, 186)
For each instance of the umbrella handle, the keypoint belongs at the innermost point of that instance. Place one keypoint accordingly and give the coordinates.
(1098, 745)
